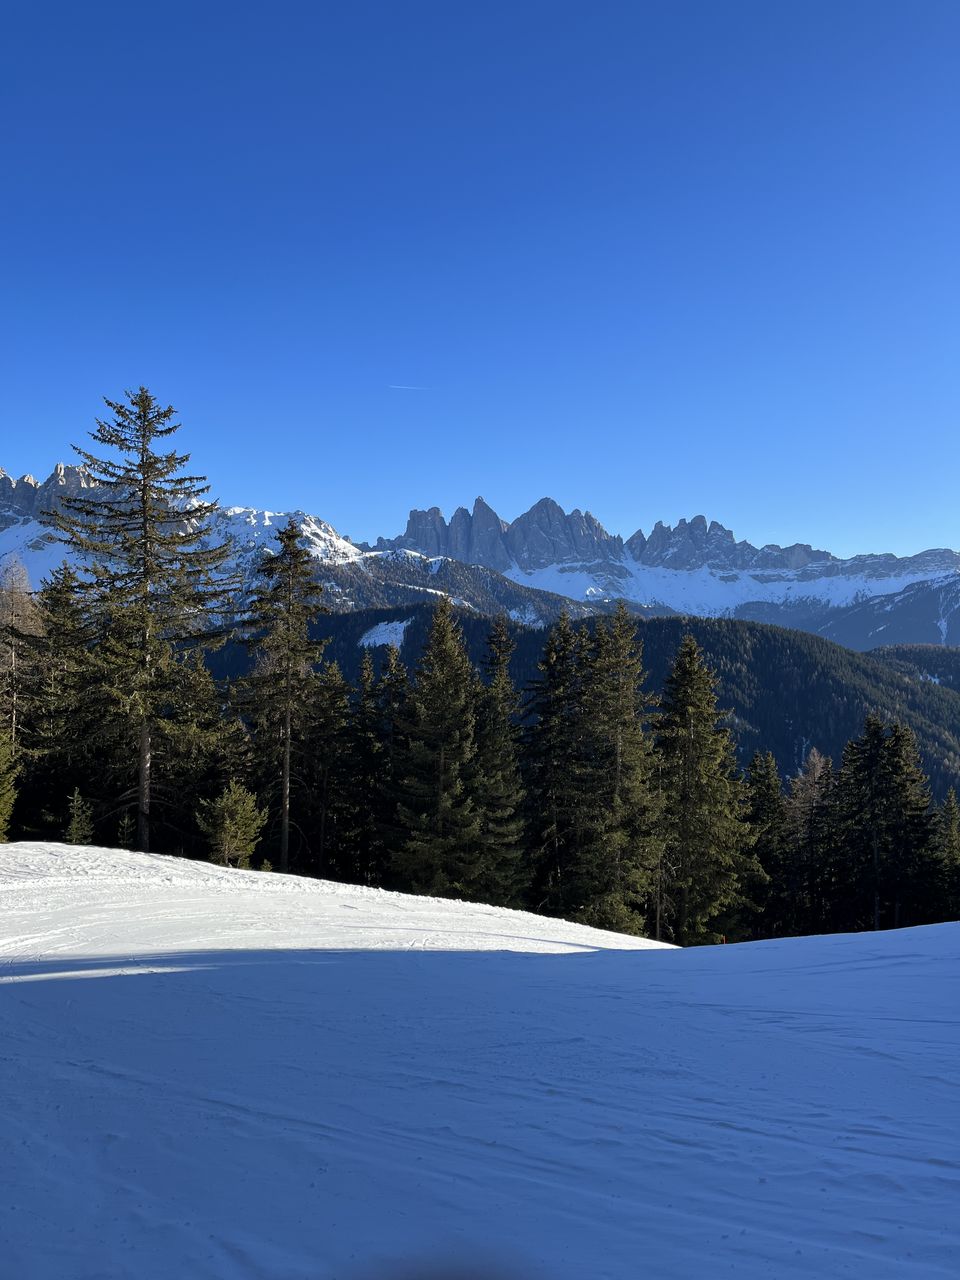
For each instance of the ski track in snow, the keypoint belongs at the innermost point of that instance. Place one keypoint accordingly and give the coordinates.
(232, 1075)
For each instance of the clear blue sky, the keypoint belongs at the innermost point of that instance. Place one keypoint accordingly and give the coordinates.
(652, 259)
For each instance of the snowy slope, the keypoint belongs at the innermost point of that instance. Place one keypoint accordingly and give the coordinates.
(712, 593)
(233, 1075)
(385, 633)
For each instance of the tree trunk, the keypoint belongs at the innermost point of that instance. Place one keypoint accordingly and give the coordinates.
(143, 790)
(681, 937)
(876, 883)
(285, 795)
(323, 825)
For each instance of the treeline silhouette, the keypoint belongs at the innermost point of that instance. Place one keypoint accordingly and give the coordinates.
(574, 792)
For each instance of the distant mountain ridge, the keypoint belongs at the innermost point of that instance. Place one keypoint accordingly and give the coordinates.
(353, 577)
(547, 559)
(699, 568)
(546, 535)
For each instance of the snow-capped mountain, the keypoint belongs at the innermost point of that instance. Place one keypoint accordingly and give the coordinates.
(353, 577)
(24, 531)
(548, 559)
(699, 568)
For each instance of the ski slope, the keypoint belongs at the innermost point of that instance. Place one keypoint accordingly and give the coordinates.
(230, 1075)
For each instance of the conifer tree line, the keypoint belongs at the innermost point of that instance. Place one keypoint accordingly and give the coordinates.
(580, 795)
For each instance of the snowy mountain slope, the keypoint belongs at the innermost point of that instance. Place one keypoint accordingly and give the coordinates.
(353, 578)
(227, 1075)
(548, 559)
(699, 569)
(25, 534)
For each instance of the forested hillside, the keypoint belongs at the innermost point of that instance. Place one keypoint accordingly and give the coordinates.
(624, 773)
(787, 691)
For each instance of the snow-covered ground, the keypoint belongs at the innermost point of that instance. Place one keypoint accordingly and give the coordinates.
(221, 1074)
(712, 593)
(385, 633)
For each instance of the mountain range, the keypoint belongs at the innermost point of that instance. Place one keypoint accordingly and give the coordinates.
(548, 559)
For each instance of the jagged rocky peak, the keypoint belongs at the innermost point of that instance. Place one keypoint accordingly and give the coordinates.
(486, 542)
(695, 544)
(547, 535)
(690, 544)
(542, 536)
(426, 531)
(28, 497)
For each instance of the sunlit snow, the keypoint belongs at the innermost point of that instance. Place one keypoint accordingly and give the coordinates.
(385, 633)
(264, 1076)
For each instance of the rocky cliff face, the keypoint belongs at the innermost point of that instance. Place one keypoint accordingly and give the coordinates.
(547, 536)
(27, 499)
(693, 544)
(544, 535)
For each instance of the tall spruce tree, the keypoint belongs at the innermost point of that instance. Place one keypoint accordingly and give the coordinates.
(885, 855)
(280, 689)
(151, 572)
(552, 765)
(330, 779)
(619, 842)
(207, 752)
(766, 815)
(437, 812)
(64, 737)
(502, 876)
(18, 624)
(380, 748)
(947, 847)
(707, 840)
(801, 890)
(365, 752)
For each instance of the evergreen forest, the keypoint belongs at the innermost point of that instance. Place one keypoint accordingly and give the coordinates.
(150, 701)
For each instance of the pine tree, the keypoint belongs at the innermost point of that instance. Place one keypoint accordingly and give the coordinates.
(17, 626)
(125, 830)
(205, 745)
(886, 863)
(232, 823)
(329, 770)
(947, 848)
(366, 749)
(152, 573)
(80, 826)
(437, 813)
(68, 738)
(378, 747)
(801, 889)
(280, 689)
(552, 760)
(8, 784)
(502, 875)
(619, 845)
(707, 839)
(766, 815)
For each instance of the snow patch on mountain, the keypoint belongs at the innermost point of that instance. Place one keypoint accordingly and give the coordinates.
(385, 633)
(708, 593)
(254, 531)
